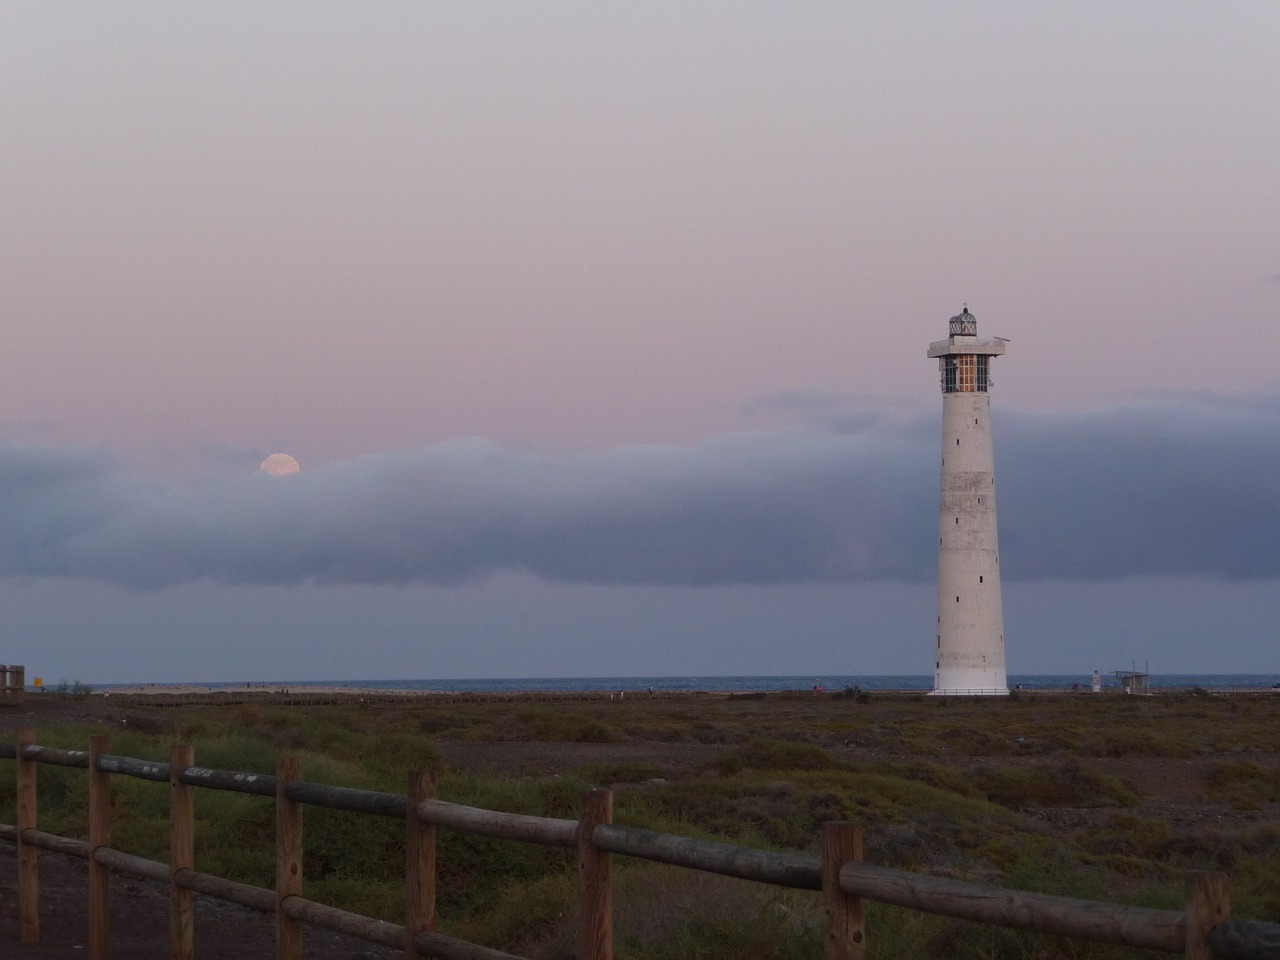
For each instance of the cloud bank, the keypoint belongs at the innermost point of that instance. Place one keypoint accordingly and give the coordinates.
(1174, 487)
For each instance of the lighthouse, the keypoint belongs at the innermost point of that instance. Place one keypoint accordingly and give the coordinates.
(969, 658)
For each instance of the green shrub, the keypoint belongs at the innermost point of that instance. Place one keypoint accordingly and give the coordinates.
(567, 727)
(1068, 784)
(1243, 784)
(620, 772)
(777, 755)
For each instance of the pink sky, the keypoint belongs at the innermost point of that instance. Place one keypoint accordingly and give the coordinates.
(362, 228)
(349, 230)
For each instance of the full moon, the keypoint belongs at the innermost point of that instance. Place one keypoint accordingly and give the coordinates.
(279, 465)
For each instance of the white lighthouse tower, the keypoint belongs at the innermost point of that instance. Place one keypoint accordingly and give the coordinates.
(969, 659)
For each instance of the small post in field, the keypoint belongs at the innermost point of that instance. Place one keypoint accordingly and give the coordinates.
(181, 852)
(99, 836)
(595, 880)
(420, 863)
(28, 856)
(1208, 904)
(288, 859)
(846, 931)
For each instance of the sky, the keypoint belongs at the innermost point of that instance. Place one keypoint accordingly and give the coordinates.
(599, 330)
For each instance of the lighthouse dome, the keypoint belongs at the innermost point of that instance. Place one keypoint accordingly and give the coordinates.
(964, 324)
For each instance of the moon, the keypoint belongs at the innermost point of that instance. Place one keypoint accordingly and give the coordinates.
(279, 465)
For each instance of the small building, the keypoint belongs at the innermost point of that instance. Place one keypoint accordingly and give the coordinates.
(12, 683)
(1132, 681)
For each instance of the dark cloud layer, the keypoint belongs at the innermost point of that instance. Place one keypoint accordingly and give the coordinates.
(1176, 487)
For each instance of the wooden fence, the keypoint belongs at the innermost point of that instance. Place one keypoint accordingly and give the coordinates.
(1203, 930)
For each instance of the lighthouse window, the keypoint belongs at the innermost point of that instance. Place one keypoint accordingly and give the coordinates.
(980, 578)
(957, 441)
(957, 599)
(957, 521)
(947, 365)
(979, 499)
(964, 373)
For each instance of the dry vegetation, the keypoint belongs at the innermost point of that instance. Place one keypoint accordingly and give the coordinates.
(1101, 797)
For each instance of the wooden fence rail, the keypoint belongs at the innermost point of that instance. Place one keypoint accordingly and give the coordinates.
(1202, 931)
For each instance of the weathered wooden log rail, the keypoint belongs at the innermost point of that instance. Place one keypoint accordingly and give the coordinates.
(1201, 931)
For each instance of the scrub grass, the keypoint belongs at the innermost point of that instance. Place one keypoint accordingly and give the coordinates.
(1051, 794)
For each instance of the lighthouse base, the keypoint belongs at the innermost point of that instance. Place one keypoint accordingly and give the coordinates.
(966, 692)
(986, 682)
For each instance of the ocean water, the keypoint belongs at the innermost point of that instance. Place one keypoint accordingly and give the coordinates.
(1209, 681)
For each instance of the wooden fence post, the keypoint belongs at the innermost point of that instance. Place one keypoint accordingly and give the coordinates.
(1208, 904)
(28, 856)
(420, 863)
(288, 859)
(595, 880)
(846, 932)
(99, 836)
(181, 852)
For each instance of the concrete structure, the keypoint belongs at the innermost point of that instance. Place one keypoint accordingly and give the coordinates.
(970, 643)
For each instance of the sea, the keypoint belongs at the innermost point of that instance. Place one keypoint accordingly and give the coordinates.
(1239, 682)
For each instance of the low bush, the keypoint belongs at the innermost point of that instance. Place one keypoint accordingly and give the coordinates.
(1067, 784)
(1243, 784)
(776, 755)
(563, 727)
